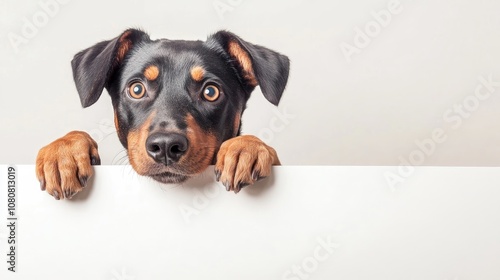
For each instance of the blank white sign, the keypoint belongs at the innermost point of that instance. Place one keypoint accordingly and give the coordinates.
(304, 222)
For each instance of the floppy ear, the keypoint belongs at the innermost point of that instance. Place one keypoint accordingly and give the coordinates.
(93, 67)
(256, 65)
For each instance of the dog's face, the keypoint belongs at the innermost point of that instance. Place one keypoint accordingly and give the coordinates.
(175, 102)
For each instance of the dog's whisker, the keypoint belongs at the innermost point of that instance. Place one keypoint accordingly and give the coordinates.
(120, 158)
(123, 161)
(108, 134)
(107, 125)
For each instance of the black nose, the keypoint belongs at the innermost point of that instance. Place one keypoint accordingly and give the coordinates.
(166, 148)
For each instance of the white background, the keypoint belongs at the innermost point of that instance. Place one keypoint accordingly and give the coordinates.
(369, 108)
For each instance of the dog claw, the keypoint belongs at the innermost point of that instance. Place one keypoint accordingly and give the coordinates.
(241, 185)
(83, 180)
(217, 175)
(227, 185)
(95, 161)
(255, 175)
(69, 194)
(42, 185)
(56, 195)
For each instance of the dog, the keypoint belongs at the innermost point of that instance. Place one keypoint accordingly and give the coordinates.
(177, 109)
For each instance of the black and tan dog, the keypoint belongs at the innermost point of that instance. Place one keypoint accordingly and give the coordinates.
(178, 107)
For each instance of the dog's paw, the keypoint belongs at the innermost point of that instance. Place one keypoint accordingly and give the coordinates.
(243, 160)
(64, 166)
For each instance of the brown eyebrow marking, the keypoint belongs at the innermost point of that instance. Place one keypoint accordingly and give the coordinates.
(197, 73)
(151, 72)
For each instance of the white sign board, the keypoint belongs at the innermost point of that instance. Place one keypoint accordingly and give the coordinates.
(304, 222)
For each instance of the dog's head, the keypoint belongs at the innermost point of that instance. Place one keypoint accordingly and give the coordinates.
(175, 101)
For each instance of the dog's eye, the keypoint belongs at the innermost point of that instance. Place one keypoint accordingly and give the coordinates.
(211, 93)
(137, 90)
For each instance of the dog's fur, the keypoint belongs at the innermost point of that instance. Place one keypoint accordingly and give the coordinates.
(178, 107)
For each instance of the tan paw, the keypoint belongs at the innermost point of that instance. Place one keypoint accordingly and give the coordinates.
(64, 166)
(243, 160)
